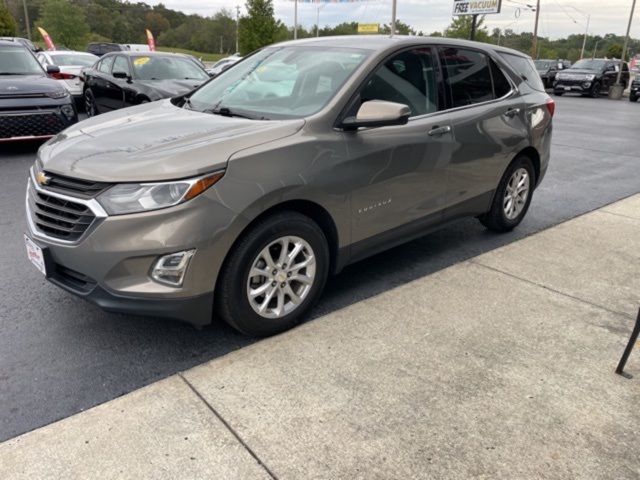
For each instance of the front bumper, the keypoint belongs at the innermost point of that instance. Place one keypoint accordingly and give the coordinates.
(110, 264)
(35, 119)
(573, 86)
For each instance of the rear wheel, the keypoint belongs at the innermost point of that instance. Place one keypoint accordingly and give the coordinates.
(274, 275)
(512, 198)
(90, 107)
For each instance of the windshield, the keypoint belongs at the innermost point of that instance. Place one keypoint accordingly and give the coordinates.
(166, 68)
(74, 59)
(18, 61)
(588, 64)
(280, 82)
(543, 64)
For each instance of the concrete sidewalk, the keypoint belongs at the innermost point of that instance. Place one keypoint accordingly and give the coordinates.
(498, 367)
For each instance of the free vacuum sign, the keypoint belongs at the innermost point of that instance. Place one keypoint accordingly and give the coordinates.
(476, 7)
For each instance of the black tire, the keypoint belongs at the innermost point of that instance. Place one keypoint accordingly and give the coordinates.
(90, 107)
(496, 219)
(231, 300)
(595, 90)
(558, 94)
(633, 98)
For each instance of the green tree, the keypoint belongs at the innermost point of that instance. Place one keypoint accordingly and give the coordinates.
(460, 27)
(614, 51)
(259, 28)
(65, 22)
(8, 25)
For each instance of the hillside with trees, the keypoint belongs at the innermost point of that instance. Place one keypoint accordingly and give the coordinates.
(74, 23)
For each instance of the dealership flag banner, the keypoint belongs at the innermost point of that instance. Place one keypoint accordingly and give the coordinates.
(476, 7)
(150, 41)
(47, 39)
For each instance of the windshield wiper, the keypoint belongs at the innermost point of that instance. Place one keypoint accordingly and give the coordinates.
(226, 112)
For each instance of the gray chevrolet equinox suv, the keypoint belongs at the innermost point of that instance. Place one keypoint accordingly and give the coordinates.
(239, 199)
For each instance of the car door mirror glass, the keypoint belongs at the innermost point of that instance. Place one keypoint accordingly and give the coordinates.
(379, 113)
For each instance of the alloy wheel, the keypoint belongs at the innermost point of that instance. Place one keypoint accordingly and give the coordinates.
(281, 277)
(516, 193)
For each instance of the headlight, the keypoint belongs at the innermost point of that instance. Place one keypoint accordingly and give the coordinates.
(589, 77)
(58, 93)
(141, 197)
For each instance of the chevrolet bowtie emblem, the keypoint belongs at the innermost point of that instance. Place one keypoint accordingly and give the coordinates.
(42, 178)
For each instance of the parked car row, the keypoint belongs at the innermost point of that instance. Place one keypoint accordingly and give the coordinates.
(548, 69)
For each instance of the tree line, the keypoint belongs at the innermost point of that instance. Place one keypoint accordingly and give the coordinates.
(74, 23)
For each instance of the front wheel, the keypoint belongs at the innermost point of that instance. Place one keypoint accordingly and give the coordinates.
(274, 275)
(90, 107)
(633, 98)
(512, 198)
(595, 90)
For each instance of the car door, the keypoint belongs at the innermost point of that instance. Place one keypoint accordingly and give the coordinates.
(488, 121)
(400, 170)
(116, 86)
(610, 74)
(98, 81)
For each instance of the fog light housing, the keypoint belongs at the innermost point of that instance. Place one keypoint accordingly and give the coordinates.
(68, 111)
(170, 269)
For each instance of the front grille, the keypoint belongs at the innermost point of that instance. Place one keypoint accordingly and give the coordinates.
(59, 218)
(75, 186)
(30, 124)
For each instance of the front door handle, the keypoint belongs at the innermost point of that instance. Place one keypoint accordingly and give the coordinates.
(511, 112)
(438, 131)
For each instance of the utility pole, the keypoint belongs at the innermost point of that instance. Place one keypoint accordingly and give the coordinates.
(626, 42)
(394, 6)
(295, 20)
(534, 45)
(27, 22)
(586, 32)
(595, 49)
(237, 27)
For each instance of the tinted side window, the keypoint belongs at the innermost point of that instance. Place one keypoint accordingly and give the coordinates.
(525, 68)
(467, 76)
(501, 85)
(408, 78)
(105, 65)
(121, 64)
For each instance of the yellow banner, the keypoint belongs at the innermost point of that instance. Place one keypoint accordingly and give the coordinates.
(368, 28)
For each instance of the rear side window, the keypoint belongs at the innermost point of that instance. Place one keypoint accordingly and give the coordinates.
(525, 68)
(408, 77)
(501, 85)
(467, 76)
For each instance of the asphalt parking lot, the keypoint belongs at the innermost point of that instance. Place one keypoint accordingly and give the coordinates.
(59, 355)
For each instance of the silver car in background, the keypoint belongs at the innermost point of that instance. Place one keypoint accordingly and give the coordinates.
(239, 199)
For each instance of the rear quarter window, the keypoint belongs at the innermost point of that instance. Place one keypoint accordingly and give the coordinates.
(525, 68)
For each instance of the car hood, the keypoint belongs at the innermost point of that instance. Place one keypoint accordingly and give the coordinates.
(27, 85)
(155, 141)
(581, 71)
(171, 88)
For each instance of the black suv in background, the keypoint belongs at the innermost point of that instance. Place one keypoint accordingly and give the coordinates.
(590, 77)
(634, 93)
(100, 48)
(32, 105)
(548, 69)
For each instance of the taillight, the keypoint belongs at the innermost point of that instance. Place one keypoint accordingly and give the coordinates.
(551, 106)
(63, 76)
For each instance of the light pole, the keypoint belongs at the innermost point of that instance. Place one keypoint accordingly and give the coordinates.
(26, 19)
(615, 92)
(394, 6)
(595, 49)
(295, 19)
(586, 32)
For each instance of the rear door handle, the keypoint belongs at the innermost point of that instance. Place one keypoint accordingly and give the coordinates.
(438, 131)
(511, 112)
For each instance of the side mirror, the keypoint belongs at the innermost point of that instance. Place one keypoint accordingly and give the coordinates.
(51, 69)
(560, 66)
(378, 113)
(122, 75)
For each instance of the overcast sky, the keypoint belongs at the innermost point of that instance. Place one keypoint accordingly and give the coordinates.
(558, 18)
